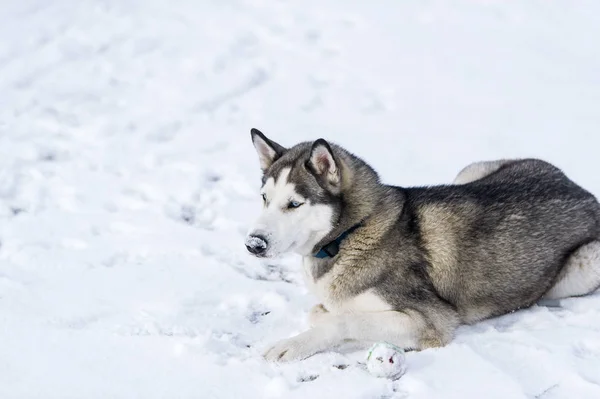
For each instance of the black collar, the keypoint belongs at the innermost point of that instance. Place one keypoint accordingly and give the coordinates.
(330, 250)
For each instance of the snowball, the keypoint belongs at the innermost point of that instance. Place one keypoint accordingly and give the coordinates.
(386, 361)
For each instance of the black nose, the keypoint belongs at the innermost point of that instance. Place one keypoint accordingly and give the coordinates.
(257, 244)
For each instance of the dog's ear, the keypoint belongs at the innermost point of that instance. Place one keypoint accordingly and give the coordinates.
(268, 151)
(323, 164)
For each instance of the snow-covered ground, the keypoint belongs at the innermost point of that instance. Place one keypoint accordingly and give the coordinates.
(128, 180)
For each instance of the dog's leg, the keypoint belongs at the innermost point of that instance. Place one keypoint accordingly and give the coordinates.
(580, 275)
(317, 315)
(478, 170)
(404, 329)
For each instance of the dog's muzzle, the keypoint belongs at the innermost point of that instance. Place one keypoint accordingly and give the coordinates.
(257, 245)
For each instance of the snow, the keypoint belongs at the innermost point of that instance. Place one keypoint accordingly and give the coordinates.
(128, 181)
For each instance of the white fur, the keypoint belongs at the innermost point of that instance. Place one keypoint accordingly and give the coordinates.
(322, 160)
(324, 164)
(478, 170)
(581, 274)
(317, 315)
(397, 328)
(266, 154)
(368, 301)
(365, 302)
(290, 230)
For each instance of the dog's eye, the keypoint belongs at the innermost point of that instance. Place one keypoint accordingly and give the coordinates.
(264, 197)
(294, 204)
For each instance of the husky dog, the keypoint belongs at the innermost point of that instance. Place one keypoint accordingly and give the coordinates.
(409, 265)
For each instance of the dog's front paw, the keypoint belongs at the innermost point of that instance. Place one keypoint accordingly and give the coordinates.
(288, 350)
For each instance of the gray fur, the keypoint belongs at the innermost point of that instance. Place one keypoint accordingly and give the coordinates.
(443, 255)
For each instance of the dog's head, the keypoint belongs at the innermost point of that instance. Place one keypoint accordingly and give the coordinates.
(300, 191)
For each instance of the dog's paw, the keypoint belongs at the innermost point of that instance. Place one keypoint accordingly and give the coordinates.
(288, 350)
(317, 314)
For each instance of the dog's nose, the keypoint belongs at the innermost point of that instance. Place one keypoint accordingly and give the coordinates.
(257, 244)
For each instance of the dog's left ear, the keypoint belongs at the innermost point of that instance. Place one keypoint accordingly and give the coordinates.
(324, 165)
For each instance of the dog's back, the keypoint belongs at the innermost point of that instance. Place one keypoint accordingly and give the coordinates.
(503, 239)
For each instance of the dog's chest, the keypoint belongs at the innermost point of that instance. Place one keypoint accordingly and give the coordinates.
(316, 281)
(329, 288)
